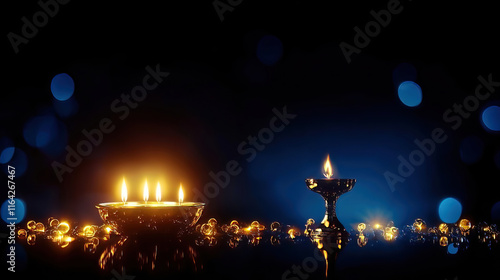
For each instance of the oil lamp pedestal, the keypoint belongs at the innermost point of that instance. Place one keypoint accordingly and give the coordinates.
(331, 190)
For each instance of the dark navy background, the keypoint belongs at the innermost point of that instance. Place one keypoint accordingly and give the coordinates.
(225, 79)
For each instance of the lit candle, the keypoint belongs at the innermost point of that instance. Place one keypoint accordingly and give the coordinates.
(146, 192)
(327, 168)
(124, 191)
(181, 195)
(158, 192)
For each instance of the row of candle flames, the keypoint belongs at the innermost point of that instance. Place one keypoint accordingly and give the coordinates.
(145, 196)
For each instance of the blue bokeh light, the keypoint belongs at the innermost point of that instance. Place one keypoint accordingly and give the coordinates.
(46, 133)
(410, 93)
(19, 211)
(491, 118)
(19, 161)
(6, 151)
(450, 210)
(6, 155)
(269, 50)
(471, 149)
(62, 87)
(404, 72)
(452, 249)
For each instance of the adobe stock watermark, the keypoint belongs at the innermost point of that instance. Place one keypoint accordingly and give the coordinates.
(40, 19)
(121, 107)
(249, 148)
(453, 116)
(222, 6)
(372, 29)
(122, 276)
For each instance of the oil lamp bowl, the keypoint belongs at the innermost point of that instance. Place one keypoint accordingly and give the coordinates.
(133, 218)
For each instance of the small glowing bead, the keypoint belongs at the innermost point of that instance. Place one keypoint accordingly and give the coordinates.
(361, 227)
(31, 239)
(212, 222)
(234, 229)
(53, 222)
(63, 227)
(419, 225)
(39, 227)
(88, 231)
(31, 225)
(443, 241)
(206, 229)
(443, 228)
(275, 226)
(464, 225)
(21, 233)
(293, 232)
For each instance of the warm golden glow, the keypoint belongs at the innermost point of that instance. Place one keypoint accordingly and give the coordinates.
(464, 225)
(181, 195)
(361, 227)
(145, 195)
(158, 192)
(124, 191)
(327, 168)
(63, 227)
(443, 228)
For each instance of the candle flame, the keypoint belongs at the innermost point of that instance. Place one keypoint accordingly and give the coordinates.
(146, 192)
(158, 192)
(181, 195)
(124, 191)
(327, 168)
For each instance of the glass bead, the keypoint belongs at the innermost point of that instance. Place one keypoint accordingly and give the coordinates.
(63, 227)
(53, 222)
(443, 241)
(206, 229)
(31, 239)
(21, 233)
(419, 225)
(464, 225)
(31, 225)
(89, 231)
(443, 228)
(255, 224)
(212, 222)
(39, 227)
(361, 227)
(275, 226)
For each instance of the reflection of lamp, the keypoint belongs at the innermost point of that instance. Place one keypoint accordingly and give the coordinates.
(155, 256)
